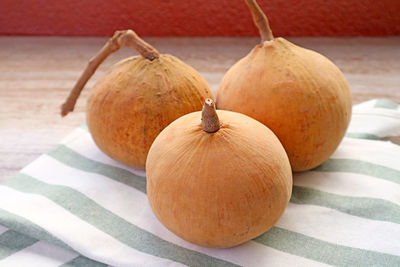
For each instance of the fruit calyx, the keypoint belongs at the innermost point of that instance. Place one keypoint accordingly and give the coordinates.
(260, 20)
(209, 118)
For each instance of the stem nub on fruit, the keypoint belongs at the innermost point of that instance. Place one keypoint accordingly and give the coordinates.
(209, 117)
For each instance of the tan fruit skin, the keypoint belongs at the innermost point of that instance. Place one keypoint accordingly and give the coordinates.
(297, 93)
(138, 98)
(219, 189)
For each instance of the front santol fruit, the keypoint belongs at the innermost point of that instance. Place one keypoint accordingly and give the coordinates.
(219, 181)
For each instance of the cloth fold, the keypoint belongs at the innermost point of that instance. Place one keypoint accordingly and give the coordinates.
(74, 206)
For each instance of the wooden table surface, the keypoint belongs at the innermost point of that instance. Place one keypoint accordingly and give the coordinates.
(36, 74)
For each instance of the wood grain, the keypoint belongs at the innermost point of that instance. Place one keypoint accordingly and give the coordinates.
(36, 74)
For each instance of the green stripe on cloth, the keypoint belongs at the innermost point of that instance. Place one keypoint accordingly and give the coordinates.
(370, 208)
(77, 161)
(318, 250)
(22, 225)
(12, 241)
(360, 167)
(120, 229)
(83, 262)
(363, 136)
(385, 103)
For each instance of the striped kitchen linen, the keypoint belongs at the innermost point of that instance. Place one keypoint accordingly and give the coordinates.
(74, 206)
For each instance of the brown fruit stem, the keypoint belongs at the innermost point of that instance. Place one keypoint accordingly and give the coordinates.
(120, 38)
(209, 117)
(260, 20)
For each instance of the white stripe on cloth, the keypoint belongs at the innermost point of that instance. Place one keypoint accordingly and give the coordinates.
(341, 228)
(349, 184)
(78, 234)
(370, 104)
(81, 141)
(41, 254)
(132, 205)
(382, 123)
(383, 153)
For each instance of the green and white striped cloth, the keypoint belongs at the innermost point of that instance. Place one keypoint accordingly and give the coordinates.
(74, 206)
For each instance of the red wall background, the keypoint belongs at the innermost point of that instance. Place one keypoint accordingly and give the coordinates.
(199, 17)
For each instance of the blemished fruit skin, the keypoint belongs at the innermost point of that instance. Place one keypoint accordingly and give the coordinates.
(297, 93)
(218, 189)
(136, 100)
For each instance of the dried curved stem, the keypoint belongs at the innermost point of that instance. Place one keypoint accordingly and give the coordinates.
(260, 20)
(120, 38)
(209, 117)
